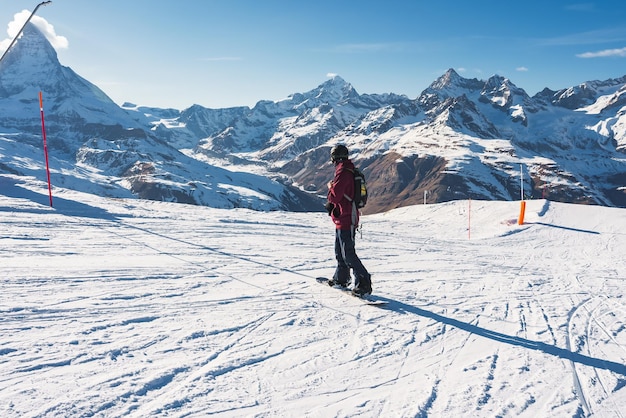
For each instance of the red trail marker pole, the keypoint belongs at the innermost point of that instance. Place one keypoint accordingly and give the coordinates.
(45, 147)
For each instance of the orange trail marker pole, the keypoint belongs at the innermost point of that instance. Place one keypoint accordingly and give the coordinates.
(522, 209)
(522, 212)
(45, 147)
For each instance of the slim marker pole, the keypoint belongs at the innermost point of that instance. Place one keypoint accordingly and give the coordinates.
(45, 147)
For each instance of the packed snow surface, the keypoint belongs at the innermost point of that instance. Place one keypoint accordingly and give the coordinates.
(122, 307)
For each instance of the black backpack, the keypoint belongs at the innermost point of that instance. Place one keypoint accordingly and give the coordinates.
(360, 188)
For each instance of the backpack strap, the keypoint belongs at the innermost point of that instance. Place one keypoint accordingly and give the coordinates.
(350, 199)
(355, 211)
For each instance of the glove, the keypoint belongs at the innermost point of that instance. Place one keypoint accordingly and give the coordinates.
(329, 207)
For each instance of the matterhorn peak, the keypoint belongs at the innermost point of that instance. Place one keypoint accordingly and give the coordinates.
(31, 66)
(31, 57)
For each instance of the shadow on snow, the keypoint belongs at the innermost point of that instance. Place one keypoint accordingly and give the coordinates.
(9, 187)
(565, 227)
(508, 339)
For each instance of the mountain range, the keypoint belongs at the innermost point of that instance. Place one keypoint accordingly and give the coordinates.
(459, 139)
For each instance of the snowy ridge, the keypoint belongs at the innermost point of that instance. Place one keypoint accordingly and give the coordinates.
(117, 307)
(460, 138)
(567, 142)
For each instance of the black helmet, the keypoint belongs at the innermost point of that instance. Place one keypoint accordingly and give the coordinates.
(338, 153)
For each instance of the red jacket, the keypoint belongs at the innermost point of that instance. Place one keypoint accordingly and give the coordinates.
(341, 194)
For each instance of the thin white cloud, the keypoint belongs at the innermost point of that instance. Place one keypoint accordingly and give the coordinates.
(331, 75)
(57, 41)
(618, 52)
(521, 69)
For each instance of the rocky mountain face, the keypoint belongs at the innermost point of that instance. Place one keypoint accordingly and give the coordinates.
(460, 138)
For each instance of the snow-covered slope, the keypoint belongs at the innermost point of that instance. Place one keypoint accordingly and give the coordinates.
(117, 307)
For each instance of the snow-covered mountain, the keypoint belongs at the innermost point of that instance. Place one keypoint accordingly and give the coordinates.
(460, 138)
(469, 139)
(97, 146)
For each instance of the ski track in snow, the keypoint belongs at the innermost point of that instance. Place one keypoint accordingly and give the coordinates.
(131, 308)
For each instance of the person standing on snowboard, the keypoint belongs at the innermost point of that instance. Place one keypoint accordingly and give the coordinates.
(345, 215)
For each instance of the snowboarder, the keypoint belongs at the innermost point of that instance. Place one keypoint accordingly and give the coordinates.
(345, 215)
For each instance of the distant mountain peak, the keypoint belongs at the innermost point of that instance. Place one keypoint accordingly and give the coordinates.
(497, 80)
(449, 78)
(502, 92)
(336, 89)
(451, 81)
(336, 78)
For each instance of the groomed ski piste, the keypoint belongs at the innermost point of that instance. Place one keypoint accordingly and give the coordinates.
(114, 307)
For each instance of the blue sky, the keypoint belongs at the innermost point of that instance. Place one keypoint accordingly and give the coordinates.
(223, 53)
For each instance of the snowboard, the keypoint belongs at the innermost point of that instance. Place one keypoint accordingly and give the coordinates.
(368, 299)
